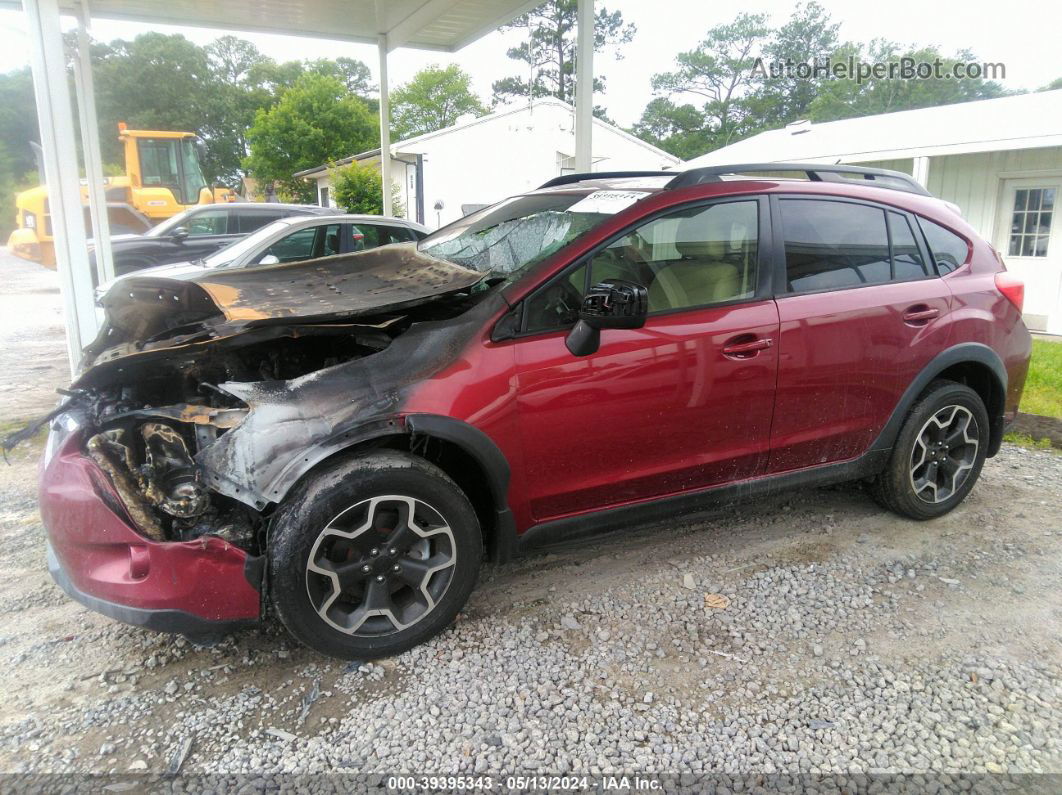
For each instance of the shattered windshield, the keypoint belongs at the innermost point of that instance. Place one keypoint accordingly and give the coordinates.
(514, 234)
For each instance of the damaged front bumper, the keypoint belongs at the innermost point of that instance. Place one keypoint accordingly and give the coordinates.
(201, 588)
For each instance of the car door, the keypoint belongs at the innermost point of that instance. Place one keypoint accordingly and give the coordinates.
(681, 404)
(861, 312)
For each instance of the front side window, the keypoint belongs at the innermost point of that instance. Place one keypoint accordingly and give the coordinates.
(694, 257)
(296, 246)
(690, 258)
(1031, 222)
(508, 238)
(831, 245)
(948, 250)
(211, 222)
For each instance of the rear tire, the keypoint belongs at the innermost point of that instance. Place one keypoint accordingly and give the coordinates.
(938, 454)
(373, 555)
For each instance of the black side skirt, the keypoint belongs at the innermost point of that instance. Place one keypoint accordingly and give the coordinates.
(562, 531)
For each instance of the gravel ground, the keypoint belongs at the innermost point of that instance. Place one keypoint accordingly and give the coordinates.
(807, 633)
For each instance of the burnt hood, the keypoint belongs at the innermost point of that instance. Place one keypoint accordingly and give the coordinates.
(150, 313)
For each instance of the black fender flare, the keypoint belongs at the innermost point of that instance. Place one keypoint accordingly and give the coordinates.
(491, 461)
(957, 354)
(470, 439)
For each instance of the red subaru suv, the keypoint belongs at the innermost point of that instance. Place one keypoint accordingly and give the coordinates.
(343, 441)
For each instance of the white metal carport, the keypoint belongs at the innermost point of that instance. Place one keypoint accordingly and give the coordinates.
(444, 25)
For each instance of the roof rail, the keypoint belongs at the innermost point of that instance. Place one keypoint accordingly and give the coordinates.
(568, 179)
(880, 177)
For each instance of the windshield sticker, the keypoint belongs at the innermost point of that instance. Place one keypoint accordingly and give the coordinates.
(608, 202)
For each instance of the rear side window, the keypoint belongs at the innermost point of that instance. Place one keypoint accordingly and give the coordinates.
(907, 261)
(831, 245)
(948, 250)
(249, 222)
(373, 235)
(396, 234)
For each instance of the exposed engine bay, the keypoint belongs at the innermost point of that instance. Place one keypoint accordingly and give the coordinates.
(186, 415)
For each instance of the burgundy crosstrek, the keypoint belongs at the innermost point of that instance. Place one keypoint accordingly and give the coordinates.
(342, 441)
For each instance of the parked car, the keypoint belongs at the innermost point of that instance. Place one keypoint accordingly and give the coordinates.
(343, 439)
(291, 239)
(198, 232)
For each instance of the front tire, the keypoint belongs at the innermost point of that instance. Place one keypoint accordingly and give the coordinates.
(373, 555)
(938, 454)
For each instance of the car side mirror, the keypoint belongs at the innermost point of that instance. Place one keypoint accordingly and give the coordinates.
(614, 303)
(269, 259)
(179, 234)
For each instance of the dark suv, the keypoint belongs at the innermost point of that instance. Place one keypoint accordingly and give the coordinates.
(342, 441)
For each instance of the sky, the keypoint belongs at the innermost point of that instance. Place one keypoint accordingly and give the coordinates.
(1022, 34)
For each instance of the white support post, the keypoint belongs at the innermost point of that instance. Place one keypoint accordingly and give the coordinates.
(584, 86)
(920, 171)
(385, 127)
(61, 174)
(90, 144)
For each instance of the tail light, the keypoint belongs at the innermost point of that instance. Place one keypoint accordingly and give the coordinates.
(1012, 287)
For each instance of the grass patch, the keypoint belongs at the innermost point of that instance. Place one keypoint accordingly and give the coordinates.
(1043, 386)
(1026, 441)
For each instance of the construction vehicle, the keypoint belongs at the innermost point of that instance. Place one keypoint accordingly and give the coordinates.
(162, 178)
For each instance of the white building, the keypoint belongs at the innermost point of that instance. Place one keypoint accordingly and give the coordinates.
(479, 161)
(999, 160)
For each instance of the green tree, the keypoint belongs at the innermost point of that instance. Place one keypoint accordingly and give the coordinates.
(678, 129)
(848, 98)
(432, 100)
(359, 189)
(155, 81)
(315, 121)
(234, 64)
(718, 73)
(809, 37)
(18, 122)
(550, 51)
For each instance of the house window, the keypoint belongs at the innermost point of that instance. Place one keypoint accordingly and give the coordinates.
(1031, 223)
(324, 196)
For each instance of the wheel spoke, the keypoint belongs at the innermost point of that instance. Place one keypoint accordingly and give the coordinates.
(413, 572)
(375, 570)
(377, 595)
(944, 451)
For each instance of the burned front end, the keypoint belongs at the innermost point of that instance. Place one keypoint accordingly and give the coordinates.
(204, 400)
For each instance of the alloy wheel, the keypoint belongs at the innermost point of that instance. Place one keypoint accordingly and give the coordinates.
(381, 565)
(944, 454)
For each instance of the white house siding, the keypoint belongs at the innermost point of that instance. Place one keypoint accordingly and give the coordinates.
(506, 153)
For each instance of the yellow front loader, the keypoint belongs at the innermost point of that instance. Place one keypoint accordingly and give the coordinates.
(162, 178)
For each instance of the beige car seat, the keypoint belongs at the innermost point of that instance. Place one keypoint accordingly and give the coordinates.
(701, 277)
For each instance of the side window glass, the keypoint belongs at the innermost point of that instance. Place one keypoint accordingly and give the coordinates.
(556, 306)
(907, 261)
(949, 251)
(296, 246)
(210, 223)
(694, 257)
(366, 236)
(397, 234)
(248, 222)
(330, 241)
(831, 245)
